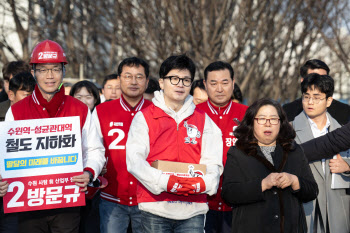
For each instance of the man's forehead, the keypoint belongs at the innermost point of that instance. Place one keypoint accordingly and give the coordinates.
(48, 64)
(313, 90)
(179, 72)
(219, 75)
(113, 82)
(133, 69)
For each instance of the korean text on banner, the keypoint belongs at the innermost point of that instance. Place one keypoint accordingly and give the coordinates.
(39, 158)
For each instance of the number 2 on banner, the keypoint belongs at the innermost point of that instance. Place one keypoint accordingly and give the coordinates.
(114, 145)
(13, 202)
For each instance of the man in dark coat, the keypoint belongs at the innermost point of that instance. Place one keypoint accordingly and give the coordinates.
(338, 110)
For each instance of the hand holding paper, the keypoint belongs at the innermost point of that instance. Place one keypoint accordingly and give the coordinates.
(338, 165)
(3, 187)
(82, 180)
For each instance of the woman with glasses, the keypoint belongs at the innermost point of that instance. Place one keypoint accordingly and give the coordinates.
(267, 176)
(86, 92)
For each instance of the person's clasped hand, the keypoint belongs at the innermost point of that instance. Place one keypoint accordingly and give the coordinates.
(285, 180)
(280, 180)
(270, 181)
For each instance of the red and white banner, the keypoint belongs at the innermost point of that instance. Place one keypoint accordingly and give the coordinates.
(39, 158)
(42, 192)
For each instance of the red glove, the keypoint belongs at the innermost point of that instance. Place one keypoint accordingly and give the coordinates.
(197, 183)
(179, 186)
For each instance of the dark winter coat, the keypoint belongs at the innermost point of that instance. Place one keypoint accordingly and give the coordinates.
(274, 210)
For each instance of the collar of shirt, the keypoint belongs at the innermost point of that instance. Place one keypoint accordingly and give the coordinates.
(51, 106)
(315, 131)
(219, 110)
(127, 106)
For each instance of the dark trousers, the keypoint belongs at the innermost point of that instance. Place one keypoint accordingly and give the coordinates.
(218, 221)
(8, 222)
(90, 216)
(65, 220)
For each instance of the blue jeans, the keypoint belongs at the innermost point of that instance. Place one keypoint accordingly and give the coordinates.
(218, 221)
(115, 218)
(152, 223)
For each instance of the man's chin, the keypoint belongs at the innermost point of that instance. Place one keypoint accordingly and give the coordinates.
(49, 89)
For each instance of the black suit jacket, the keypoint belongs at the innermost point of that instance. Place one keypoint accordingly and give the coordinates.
(328, 145)
(338, 110)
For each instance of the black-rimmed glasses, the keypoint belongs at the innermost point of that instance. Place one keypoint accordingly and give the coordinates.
(174, 80)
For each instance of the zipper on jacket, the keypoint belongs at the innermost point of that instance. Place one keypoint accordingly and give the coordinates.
(177, 138)
(177, 124)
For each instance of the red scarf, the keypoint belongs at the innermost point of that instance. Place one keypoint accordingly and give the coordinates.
(53, 105)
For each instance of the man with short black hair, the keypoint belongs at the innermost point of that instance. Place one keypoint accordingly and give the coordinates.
(111, 88)
(118, 206)
(21, 86)
(329, 212)
(8, 72)
(173, 129)
(219, 83)
(338, 110)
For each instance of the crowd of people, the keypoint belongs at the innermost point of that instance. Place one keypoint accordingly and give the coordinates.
(268, 168)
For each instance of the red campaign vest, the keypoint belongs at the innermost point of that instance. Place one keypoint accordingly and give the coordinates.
(167, 142)
(30, 108)
(224, 119)
(115, 118)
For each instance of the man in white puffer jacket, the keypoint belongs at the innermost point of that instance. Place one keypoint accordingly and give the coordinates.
(173, 129)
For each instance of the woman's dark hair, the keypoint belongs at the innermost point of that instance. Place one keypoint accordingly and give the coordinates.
(245, 131)
(90, 87)
(198, 83)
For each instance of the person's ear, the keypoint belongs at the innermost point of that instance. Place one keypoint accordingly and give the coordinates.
(11, 96)
(205, 85)
(329, 101)
(161, 83)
